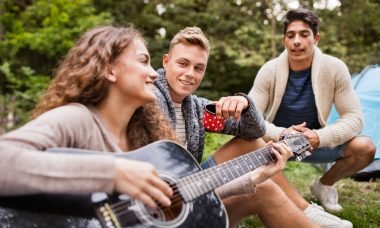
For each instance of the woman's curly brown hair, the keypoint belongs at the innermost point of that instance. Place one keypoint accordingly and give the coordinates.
(147, 125)
(81, 78)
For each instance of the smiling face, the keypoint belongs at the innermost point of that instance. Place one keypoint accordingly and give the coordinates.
(185, 67)
(132, 75)
(299, 41)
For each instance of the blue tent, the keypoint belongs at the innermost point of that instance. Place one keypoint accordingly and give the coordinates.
(367, 87)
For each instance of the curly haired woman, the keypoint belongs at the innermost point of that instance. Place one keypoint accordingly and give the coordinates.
(107, 72)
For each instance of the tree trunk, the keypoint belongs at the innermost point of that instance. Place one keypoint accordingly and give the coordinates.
(1, 24)
(273, 30)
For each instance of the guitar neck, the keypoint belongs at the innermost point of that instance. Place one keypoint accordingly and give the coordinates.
(207, 180)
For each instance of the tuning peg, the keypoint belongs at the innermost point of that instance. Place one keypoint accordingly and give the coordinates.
(306, 154)
(303, 155)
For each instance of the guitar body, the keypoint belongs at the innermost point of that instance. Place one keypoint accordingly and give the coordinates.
(170, 159)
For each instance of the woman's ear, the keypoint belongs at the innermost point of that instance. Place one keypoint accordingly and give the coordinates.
(111, 74)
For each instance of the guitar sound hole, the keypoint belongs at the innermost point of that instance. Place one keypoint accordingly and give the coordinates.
(172, 216)
(166, 214)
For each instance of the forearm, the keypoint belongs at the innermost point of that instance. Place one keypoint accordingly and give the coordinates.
(26, 172)
(273, 132)
(250, 126)
(349, 125)
(246, 183)
(241, 185)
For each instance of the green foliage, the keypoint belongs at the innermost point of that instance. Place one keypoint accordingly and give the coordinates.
(243, 34)
(213, 142)
(49, 27)
(246, 33)
(239, 41)
(351, 32)
(39, 34)
(26, 88)
(34, 35)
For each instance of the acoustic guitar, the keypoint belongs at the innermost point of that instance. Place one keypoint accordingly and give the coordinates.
(194, 203)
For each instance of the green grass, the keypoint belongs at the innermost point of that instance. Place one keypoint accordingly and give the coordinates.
(360, 200)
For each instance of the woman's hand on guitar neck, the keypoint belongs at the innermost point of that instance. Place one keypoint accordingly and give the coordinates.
(282, 153)
(246, 183)
(140, 180)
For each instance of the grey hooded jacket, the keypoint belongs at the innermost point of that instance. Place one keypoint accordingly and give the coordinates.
(250, 126)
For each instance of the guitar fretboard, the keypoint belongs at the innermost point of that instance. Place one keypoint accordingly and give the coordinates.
(202, 182)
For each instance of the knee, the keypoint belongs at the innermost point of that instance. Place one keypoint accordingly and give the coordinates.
(363, 148)
(371, 150)
(270, 191)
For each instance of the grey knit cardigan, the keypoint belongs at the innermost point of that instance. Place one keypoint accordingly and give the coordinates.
(250, 126)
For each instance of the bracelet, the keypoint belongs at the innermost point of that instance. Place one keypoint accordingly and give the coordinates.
(248, 188)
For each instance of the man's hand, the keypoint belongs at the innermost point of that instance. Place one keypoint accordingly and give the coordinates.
(309, 134)
(312, 137)
(231, 106)
(295, 129)
(292, 130)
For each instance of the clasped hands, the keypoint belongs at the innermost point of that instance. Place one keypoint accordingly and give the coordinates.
(309, 134)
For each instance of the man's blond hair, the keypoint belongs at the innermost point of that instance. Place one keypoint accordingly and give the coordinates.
(190, 35)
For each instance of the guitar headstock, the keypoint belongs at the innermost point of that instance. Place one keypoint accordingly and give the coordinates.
(298, 144)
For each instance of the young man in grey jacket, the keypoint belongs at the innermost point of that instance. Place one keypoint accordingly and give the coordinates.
(184, 68)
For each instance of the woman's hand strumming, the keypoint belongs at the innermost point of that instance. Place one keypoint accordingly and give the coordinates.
(140, 180)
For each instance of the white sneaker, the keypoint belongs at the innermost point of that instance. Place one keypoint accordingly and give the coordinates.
(327, 195)
(316, 213)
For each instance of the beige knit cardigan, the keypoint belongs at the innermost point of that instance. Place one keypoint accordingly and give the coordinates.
(331, 83)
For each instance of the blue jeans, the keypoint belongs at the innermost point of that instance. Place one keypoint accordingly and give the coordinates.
(320, 155)
(210, 162)
(325, 155)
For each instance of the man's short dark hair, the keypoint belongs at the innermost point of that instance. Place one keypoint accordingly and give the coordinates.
(305, 15)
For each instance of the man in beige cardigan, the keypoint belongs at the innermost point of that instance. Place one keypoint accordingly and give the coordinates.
(296, 91)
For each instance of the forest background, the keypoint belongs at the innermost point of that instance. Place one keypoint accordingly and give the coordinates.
(244, 34)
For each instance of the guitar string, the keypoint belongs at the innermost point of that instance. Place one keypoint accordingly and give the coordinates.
(265, 153)
(175, 193)
(119, 208)
(176, 200)
(176, 197)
